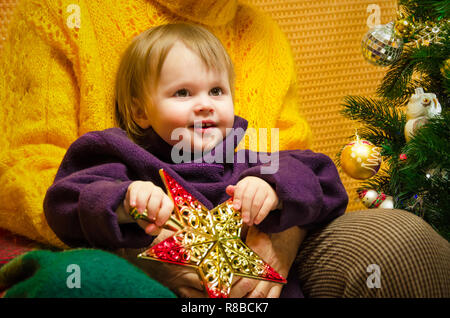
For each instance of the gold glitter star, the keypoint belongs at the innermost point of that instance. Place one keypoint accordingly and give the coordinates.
(208, 240)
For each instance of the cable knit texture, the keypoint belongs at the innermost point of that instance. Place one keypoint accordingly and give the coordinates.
(57, 75)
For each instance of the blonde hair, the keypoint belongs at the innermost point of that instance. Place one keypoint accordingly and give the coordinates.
(141, 64)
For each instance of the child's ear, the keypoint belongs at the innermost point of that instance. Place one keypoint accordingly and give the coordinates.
(139, 115)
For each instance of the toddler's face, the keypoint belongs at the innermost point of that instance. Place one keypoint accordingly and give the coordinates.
(194, 100)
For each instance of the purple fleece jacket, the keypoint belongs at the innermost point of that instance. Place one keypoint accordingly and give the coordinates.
(98, 167)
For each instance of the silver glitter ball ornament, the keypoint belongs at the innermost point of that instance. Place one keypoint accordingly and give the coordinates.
(381, 46)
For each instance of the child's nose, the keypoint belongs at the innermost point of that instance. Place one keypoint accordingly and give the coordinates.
(204, 105)
(204, 109)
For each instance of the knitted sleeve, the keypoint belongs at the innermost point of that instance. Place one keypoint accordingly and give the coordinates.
(294, 130)
(267, 90)
(38, 116)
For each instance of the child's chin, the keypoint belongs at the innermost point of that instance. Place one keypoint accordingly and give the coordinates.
(204, 149)
(205, 145)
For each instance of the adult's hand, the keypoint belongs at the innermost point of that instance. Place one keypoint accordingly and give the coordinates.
(182, 280)
(279, 251)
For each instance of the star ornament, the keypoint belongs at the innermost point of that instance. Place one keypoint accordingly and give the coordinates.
(208, 240)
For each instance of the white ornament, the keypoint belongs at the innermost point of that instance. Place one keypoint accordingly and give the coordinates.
(421, 107)
(388, 203)
(374, 199)
(369, 197)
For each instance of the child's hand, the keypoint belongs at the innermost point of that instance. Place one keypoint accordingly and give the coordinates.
(144, 195)
(254, 197)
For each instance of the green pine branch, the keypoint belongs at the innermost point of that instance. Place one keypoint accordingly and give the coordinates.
(426, 9)
(425, 62)
(381, 118)
(431, 144)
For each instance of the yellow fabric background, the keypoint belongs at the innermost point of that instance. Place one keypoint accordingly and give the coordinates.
(325, 37)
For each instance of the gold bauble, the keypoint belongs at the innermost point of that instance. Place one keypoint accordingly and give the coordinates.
(404, 28)
(445, 68)
(360, 159)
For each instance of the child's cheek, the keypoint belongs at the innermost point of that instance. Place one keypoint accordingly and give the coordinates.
(180, 117)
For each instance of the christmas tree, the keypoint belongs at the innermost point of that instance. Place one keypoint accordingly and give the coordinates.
(408, 122)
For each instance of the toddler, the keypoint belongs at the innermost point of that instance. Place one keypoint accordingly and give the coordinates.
(175, 93)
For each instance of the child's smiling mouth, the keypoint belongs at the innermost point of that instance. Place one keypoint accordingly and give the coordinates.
(204, 126)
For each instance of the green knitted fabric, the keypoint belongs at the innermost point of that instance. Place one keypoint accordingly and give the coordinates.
(77, 273)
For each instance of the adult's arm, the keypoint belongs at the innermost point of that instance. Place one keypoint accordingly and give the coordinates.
(269, 98)
(38, 118)
(294, 130)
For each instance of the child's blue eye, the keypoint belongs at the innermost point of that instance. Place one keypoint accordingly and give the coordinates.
(216, 91)
(182, 93)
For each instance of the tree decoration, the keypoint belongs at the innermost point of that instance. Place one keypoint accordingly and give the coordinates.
(210, 241)
(360, 159)
(404, 28)
(374, 199)
(421, 107)
(381, 46)
(429, 33)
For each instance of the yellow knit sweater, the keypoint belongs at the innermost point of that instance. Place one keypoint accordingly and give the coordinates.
(57, 75)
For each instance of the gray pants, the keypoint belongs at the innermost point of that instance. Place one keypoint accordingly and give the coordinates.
(375, 253)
